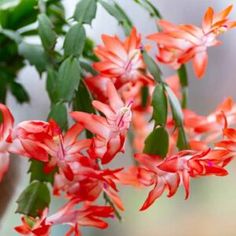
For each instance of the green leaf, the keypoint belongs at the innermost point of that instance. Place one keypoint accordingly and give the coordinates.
(124, 15)
(145, 95)
(3, 90)
(37, 173)
(85, 11)
(35, 55)
(157, 142)
(177, 113)
(88, 68)
(152, 67)
(52, 78)
(182, 142)
(175, 107)
(153, 11)
(116, 11)
(88, 51)
(13, 35)
(20, 15)
(69, 78)
(83, 102)
(59, 114)
(19, 92)
(74, 41)
(56, 12)
(46, 32)
(183, 77)
(160, 105)
(33, 199)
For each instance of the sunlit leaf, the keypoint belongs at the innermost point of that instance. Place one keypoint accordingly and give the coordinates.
(59, 114)
(5, 4)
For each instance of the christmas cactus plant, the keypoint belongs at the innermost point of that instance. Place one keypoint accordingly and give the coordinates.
(114, 93)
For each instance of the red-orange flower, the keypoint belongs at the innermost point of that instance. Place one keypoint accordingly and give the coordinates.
(34, 226)
(169, 173)
(44, 141)
(89, 182)
(179, 44)
(110, 130)
(204, 130)
(88, 215)
(121, 61)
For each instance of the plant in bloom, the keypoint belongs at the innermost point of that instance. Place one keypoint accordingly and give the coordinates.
(121, 61)
(110, 130)
(179, 44)
(86, 216)
(115, 94)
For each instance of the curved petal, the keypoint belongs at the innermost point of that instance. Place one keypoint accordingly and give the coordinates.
(33, 150)
(208, 20)
(7, 122)
(115, 46)
(72, 134)
(153, 195)
(114, 98)
(115, 198)
(104, 108)
(200, 61)
(92, 123)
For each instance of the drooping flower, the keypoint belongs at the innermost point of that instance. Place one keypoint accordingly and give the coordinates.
(169, 173)
(194, 164)
(205, 130)
(89, 182)
(90, 216)
(179, 44)
(151, 175)
(229, 142)
(110, 130)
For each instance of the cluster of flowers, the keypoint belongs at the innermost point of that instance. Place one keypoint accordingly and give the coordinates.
(81, 176)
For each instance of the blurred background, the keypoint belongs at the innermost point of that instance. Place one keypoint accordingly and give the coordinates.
(211, 209)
